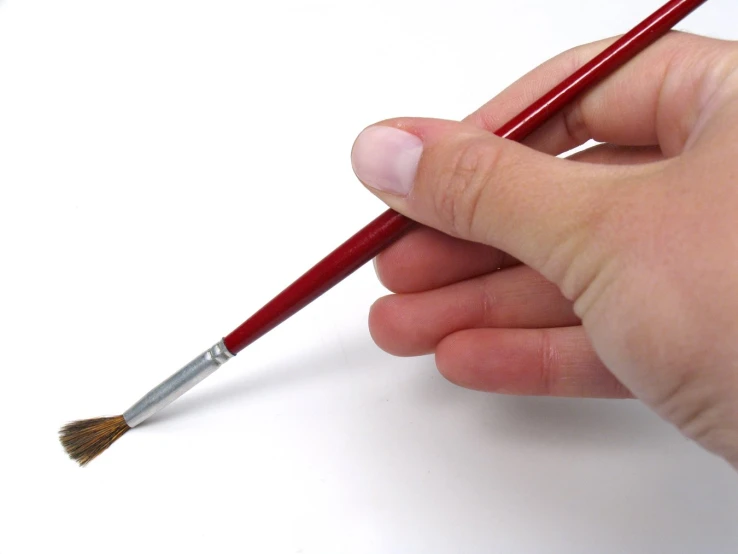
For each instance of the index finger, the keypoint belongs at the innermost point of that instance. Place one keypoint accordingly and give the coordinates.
(653, 100)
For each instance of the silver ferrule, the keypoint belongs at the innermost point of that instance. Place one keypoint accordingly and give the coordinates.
(178, 384)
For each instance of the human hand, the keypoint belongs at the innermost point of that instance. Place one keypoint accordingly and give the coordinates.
(613, 273)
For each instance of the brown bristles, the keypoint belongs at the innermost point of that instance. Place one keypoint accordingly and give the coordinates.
(86, 439)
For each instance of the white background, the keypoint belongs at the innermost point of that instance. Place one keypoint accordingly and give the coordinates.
(166, 166)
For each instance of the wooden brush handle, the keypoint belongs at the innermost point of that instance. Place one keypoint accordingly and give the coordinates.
(390, 226)
(331, 270)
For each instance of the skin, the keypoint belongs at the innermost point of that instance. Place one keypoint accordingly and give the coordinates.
(612, 274)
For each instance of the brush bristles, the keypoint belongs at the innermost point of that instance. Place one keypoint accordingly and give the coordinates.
(86, 439)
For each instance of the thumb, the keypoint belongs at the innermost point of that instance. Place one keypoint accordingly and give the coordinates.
(476, 186)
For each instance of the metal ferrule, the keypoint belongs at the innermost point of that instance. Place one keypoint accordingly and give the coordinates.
(178, 384)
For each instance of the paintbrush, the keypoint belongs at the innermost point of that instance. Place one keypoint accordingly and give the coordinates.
(84, 440)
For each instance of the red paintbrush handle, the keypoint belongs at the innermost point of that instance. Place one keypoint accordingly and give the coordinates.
(624, 49)
(331, 270)
(389, 226)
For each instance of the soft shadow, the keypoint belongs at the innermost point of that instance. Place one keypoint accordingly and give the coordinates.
(319, 363)
(566, 465)
(513, 419)
(523, 419)
(567, 420)
(433, 448)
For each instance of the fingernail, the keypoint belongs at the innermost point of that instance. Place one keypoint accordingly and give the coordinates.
(387, 159)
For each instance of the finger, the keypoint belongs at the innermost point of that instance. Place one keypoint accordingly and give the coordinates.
(475, 186)
(426, 259)
(612, 154)
(654, 99)
(536, 362)
(414, 324)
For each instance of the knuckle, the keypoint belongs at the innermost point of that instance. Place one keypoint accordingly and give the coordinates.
(459, 195)
(575, 124)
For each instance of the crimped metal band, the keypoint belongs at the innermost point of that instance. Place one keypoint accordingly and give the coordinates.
(178, 384)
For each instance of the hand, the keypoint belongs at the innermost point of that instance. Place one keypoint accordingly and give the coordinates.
(613, 273)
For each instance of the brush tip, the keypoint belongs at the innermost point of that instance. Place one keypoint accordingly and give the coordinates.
(86, 439)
